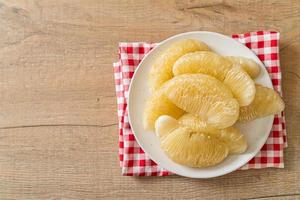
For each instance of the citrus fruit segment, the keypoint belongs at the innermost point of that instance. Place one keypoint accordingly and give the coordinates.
(193, 149)
(248, 65)
(234, 139)
(165, 125)
(161, 71)
(266, 102)
(196, 124)
(205, 62)
(205, 97)
(241, 85)
(158, 104)
(231, 136)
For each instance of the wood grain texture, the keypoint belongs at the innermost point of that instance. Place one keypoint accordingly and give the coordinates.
(58, 122)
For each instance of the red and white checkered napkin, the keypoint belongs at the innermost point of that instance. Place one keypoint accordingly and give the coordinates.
(135, 162)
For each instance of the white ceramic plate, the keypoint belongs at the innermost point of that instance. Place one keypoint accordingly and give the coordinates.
(256, 132)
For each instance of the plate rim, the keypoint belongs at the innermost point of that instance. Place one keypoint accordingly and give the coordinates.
(130, 89)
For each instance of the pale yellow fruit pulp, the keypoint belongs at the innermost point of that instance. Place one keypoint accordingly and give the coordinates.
(266, 102)
(248, 65)
(196, 124)
(158, 104)
(205, 62)
(241, 85)
(189, 148)
(234, 139)
(164, 125)
(205, 97)
(161, 71)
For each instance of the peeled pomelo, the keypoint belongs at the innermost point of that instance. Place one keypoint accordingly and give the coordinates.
(248, 65)
(232, 136)
(266, 102)
(234, 139)
(196, 123)
(158, 104)
(161, 71)
(205, 62)
(204, 96)
(241, 85)
(189, 148)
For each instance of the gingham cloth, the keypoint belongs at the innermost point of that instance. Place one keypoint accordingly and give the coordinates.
(133, 160)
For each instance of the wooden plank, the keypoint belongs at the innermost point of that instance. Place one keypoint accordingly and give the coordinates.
(281, 197)
(58, 132)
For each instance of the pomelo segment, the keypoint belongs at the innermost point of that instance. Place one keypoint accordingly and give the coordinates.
(205, 62)
(161, 71)
(266, 102)
(205, 97)
(248, 65)
(158, 104)
(234, 139)
(193, 149)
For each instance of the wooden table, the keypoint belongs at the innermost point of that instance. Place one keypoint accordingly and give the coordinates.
(58, 135)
